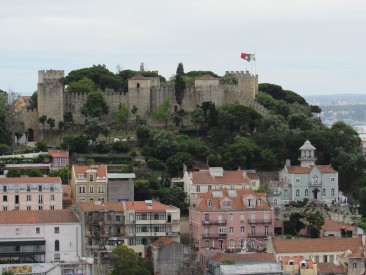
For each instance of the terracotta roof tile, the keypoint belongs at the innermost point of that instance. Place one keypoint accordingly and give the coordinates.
(330, 225)
(316, 245)
(242, 258)
(25, 180)
(163, 241)
(294, 169)
(59, 153)
(326, 169)
(330, 268)
(142, 206)
(38, 217)
(96, 206)
(236, 202)
(229, 177)
(253, 176)
(101, 170)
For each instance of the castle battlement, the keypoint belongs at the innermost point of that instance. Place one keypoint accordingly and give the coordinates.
(50, 74)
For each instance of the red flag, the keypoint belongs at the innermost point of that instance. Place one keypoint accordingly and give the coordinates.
(246, 56)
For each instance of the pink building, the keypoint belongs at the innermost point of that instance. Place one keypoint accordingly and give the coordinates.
(60, 158)
(231, 219)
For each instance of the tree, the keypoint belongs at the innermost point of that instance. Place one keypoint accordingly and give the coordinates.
(180, 84)
(64, 173)
(127, 262)
(43, 120)
(34, 173)
(5, 133)
(142, 134)
(95, 105)
(41, 146)
(314, 221)
(18, 136)
(177, 117)
(173, 196)
(297, 221)
(51, 123)
(7, 272)
(198, 117)
(84, 85)
(175, 163)
(61, 127)
(121, 116)
(229, 79)
(94, 127)
(162, 112)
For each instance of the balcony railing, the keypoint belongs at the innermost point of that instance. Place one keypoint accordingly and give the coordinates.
(218, 222)
(258, 235)
(260, 221)
(214, 235)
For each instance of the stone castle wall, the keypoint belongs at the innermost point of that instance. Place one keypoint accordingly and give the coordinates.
(146, 93)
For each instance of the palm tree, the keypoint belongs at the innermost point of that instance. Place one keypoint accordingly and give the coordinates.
(51, 122)
(61, 127)
(43, 120)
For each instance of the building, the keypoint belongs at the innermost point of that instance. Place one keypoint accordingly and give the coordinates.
(298, 265)
(353, 261)
(332, 228)
(60, 159)
(39, 236)
(233, 219)
(216, 178)
(246, 264)
(321, 250)
(30, 193)
(120, 186)
(317, 183)
(89, 183)
(168, 255)
(147, 221)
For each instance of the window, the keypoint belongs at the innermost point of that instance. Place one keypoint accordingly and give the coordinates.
(332, 192)
(306, 193)
(5, 208)
(52, 207)
(52, 197)
(118, 218)
(332, 179)
(317, 258)
(210, 203)
(354, 265)
(81, 189)
(242, 216)
(40, 207)
(100, 189)
(40, 188)
(242, 229)
(57, 245)
(28, 188)
(331, 258)
(57, 230)
(16, 208)
(254, 184)
(198, 188)
(40, 198)
(222, 230)
(29, 208)
(226, 204)
(285, 193)
(52, 188)
(38, 230)
(231, 186)
(252, 230)
(101, 199)
(5, 198)
(297, 179)
(16, 199)
(209, 187)
(231, 216)
(259, 201)
(324, 192)
(138, 85)
(91, 189)
(91, 177)
(91, 200)
(17, 230)
(275, 201)
(250, 203)
(5, 188)
(231, 243)
(266, 230)
(231, 229)
(207, 217)
(207, 243)
(57, 257)
(297, 193)
(325, 258)
(29, 197)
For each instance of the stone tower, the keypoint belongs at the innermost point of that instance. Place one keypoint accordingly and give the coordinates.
(307, 157)
(50, 97)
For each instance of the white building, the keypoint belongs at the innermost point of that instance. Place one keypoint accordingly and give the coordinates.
(318, 183)
(30, 193)
(39, 237)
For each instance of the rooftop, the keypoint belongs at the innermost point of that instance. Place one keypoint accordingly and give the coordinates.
(294, 169)
(38, 217)
(228, 177)
(100, 169)
(242, 258)
(147, 206)
(163, 241)
(59, 153)
(330, 225)
(25, 180)
(98, 206)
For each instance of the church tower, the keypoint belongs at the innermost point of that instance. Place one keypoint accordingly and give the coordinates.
(307, 157)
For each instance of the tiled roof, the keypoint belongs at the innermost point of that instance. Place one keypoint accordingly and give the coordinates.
(38, 217)
(163, 241)
(297, 260)
(330, 268)
(306, 170)
(236, 201)
(356, 253)
(241, 258)
(229, 177)
(59, 153)
(316, 245)
(26, 180)
(142, 206)
(101, 170)
(330, 225)
(253, 176)
(96, 206)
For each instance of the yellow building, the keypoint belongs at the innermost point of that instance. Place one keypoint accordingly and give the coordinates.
(89, 183)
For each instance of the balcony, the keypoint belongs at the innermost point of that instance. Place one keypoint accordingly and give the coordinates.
(214, 222)
(94, 247)
(258, 235)
(260, 221)
(214, 235)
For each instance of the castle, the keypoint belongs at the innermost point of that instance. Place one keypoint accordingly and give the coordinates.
(145, 93)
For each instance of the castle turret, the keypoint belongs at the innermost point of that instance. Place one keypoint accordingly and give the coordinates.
(139, 94)
(307, 157)
(50, 96)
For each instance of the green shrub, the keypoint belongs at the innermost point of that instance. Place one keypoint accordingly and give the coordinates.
(154, 163)
(102, 148)
(120, 147)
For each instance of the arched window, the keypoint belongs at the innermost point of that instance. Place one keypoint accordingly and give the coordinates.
(57, 245)
(232, 243)
(324, 193)
(297, 193)
(285, 193)
(306, 193)
(275, 202)
(332, 192)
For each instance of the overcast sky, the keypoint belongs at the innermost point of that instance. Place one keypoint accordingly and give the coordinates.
(309, 47)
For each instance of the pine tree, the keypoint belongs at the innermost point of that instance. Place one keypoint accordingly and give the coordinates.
(180, 84)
